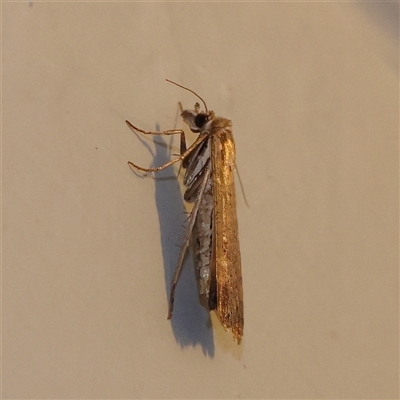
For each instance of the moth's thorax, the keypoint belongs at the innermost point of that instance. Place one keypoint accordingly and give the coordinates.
(221, 123)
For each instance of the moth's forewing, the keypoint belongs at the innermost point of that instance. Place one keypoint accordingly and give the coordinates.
(215, 227)
(226, 252)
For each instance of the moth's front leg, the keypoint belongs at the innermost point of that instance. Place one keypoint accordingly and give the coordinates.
(183, 149)
(167, 132)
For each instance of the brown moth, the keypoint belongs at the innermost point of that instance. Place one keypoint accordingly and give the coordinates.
(213, 225)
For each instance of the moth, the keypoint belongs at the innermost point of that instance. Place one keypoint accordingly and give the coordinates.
(212, 225)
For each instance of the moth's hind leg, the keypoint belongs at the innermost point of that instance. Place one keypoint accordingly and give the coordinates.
(178, 270)
(192, 220)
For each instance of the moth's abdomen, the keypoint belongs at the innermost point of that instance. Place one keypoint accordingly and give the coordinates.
(202, 244)
(202, 235)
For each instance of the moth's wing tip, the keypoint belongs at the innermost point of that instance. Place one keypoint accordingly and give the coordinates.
(237, 336)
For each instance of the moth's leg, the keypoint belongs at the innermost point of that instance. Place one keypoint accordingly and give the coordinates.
(167, 132)
(160, 168)
(199, 140)
(192, 220)
(183, 137)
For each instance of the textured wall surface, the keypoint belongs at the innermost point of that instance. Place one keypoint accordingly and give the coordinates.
(89, 247)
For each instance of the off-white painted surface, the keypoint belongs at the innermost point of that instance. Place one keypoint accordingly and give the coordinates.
(89, 247)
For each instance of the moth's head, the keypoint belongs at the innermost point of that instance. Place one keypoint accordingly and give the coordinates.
(198, 121)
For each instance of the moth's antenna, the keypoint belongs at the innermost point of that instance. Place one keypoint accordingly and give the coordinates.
(191, 91)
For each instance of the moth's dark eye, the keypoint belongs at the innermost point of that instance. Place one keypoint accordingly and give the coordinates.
(200, 120)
